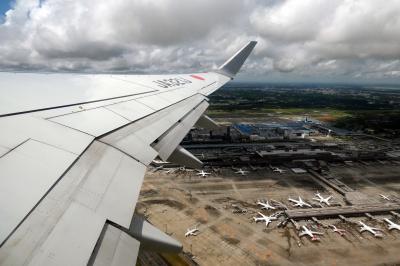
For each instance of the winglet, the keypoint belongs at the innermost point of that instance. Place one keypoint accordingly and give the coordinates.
(232, 66)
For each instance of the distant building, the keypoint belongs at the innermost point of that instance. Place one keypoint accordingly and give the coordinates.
(298, 170)
(328, 130)
(255, 137)
(289, 130)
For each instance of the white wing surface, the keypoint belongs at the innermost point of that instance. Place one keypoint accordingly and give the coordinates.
(73, 153)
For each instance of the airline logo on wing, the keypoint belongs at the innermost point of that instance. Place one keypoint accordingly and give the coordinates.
(172, 82)
(175, 82)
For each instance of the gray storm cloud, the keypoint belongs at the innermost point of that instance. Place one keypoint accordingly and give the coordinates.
(307, 37)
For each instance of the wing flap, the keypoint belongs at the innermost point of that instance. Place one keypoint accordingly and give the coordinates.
(72, 240)
(119, 201)
(103, 184)
(40, 165)
(99, 176)
(116, 248)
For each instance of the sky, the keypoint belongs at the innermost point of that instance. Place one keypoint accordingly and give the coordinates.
(4, 7)
(356, 41)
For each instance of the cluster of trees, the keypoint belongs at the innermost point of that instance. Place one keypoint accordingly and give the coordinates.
(253, 98)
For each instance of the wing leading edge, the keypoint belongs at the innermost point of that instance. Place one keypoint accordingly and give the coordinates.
(71, 165)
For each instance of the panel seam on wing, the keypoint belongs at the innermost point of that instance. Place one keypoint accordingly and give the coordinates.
(118, 149)
(105, 107)
(15, 147)
(73, 104)
(54, 146)
(80, 131)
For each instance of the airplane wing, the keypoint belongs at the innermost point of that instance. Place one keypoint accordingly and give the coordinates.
(73, 153)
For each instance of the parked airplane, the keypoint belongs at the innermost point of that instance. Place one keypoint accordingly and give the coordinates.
(241, 172)
(176, 170)
(171, 170)
(267, 219)
(300, 203)
(277, 169)
(370, 229)
(203, 174)
(321, 199)
(192, 232)
(265, 205)
(200, 155)
(155, 169)
(384, 197)
(337, 230)
(309, 233)
(392, 225)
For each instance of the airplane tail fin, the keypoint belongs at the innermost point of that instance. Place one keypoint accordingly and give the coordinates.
(232, 66)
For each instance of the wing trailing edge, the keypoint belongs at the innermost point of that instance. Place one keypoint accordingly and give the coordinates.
(232, 66)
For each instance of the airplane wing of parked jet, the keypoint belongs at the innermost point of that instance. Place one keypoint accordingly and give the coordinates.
(73, 153)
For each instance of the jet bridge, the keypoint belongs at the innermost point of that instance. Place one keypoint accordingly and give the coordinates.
(333, 212)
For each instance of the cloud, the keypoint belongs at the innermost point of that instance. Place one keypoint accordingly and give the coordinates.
(311, 38)
(284, 65)
(293, 21)
(100, 35)
(311, 32)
